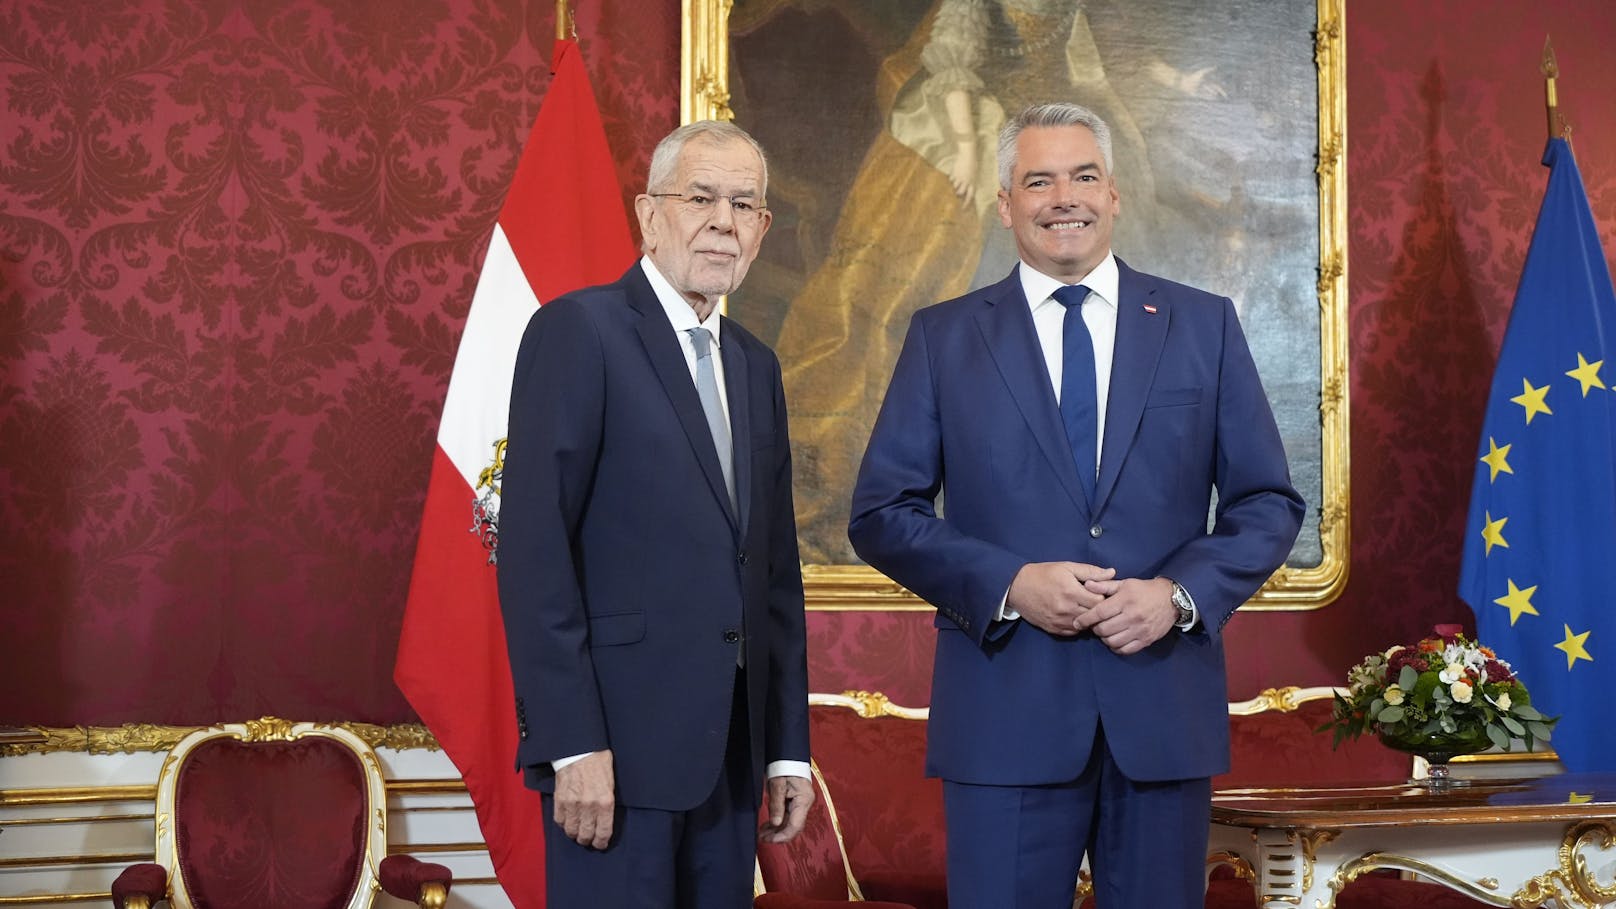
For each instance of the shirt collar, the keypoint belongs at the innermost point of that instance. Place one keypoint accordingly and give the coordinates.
(676, 306)
(1103, 282)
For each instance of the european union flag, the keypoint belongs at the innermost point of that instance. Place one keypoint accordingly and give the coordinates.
(1539, 566)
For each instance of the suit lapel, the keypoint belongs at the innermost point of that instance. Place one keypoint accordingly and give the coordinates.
(1141, 336)
(1006, 324)
(668, 360)
(737, 382)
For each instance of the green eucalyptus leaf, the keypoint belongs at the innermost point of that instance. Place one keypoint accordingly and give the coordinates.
(1408, 678)
(1499, 737)
(1390, 715)
(1513, 725)
(1540, 731)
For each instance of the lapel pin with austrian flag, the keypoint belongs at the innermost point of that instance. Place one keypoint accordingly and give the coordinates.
(1150, 308)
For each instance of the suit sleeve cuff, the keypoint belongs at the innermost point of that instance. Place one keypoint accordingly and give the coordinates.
(787, 768)
(1005, 613)
(559, 763)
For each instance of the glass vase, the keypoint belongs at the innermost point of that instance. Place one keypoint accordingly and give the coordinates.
(1437, 749)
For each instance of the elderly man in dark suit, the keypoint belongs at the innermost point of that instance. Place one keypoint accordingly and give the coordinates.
(1076, 418)
(648, 566)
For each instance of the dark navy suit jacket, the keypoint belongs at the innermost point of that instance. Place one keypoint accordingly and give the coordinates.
(628, 586)
(970, 413)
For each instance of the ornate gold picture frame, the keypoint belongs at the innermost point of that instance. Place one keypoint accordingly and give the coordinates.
(1216, 124)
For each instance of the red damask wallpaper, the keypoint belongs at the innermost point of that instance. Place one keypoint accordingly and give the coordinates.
(236, 245)
(237, 241)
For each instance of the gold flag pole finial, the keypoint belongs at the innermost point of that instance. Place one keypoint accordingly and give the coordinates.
(566, 26)
(1551, 71)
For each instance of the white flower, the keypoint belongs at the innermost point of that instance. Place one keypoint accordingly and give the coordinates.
(1394, 695)
(1451, 673)
(1395, 648)
(1461, 691)
(1502, 701)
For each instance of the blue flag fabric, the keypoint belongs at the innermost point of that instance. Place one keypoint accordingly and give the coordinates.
(1539, 567)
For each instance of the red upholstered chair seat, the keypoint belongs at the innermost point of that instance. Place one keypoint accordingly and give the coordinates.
(274, 815)
(891, 815)
(876, 830)
(271, 824)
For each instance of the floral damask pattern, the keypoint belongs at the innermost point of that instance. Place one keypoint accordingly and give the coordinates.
(237, 243)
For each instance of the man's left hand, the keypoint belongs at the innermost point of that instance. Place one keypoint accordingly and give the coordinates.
(1134, 614)
(789, 799)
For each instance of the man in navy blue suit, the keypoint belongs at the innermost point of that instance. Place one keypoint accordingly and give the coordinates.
(1076, 419)
(648, 568)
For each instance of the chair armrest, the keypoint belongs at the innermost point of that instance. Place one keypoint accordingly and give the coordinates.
(408, 878)
(140, 887)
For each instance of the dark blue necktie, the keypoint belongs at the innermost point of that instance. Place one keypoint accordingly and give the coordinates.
(1078, 409)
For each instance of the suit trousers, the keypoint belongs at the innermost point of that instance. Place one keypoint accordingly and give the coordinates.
(1020, 847)
(697, 859)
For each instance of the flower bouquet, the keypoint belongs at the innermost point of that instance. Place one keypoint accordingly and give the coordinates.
(1441, 697)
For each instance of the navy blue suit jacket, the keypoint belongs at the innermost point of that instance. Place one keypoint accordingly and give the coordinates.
(626, 582)
(970, 413)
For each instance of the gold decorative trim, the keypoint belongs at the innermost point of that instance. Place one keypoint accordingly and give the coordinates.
(133, 738)
(704, 94)
(1310, 842)
(55, 899)
(434, 848)
(1242, 869)
(1573, 884)
(88, 858)
(853, 891)
(425, 787)
(1283, 700)
(1542, 753)
(65, 795)
(868, 704)
(704, 61)
(69, 819)
(1482, 890)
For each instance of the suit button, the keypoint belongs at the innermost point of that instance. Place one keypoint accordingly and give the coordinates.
(741, 559)
(731, 636)
(1095, 531)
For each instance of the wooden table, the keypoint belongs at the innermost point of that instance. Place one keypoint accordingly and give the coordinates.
(1549, 841)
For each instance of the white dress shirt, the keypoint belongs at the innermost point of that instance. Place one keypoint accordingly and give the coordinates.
(684, 319)
(1100, 316)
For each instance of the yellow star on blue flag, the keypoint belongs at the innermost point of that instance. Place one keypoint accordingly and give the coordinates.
(1557, 488)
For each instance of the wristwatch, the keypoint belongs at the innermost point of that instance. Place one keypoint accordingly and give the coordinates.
(1185, 607)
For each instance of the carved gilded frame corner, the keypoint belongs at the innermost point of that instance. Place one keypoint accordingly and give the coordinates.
(704, 94)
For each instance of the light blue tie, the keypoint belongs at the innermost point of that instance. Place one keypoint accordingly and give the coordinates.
(707, 388)
(1078, 404)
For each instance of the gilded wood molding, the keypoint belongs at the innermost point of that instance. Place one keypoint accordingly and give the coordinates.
(132, 738)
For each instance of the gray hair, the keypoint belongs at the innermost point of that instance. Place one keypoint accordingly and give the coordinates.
(1053, 113)
(665, 159)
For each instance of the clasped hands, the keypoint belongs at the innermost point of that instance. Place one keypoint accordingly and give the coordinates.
(1069, 598)
(586, 803)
